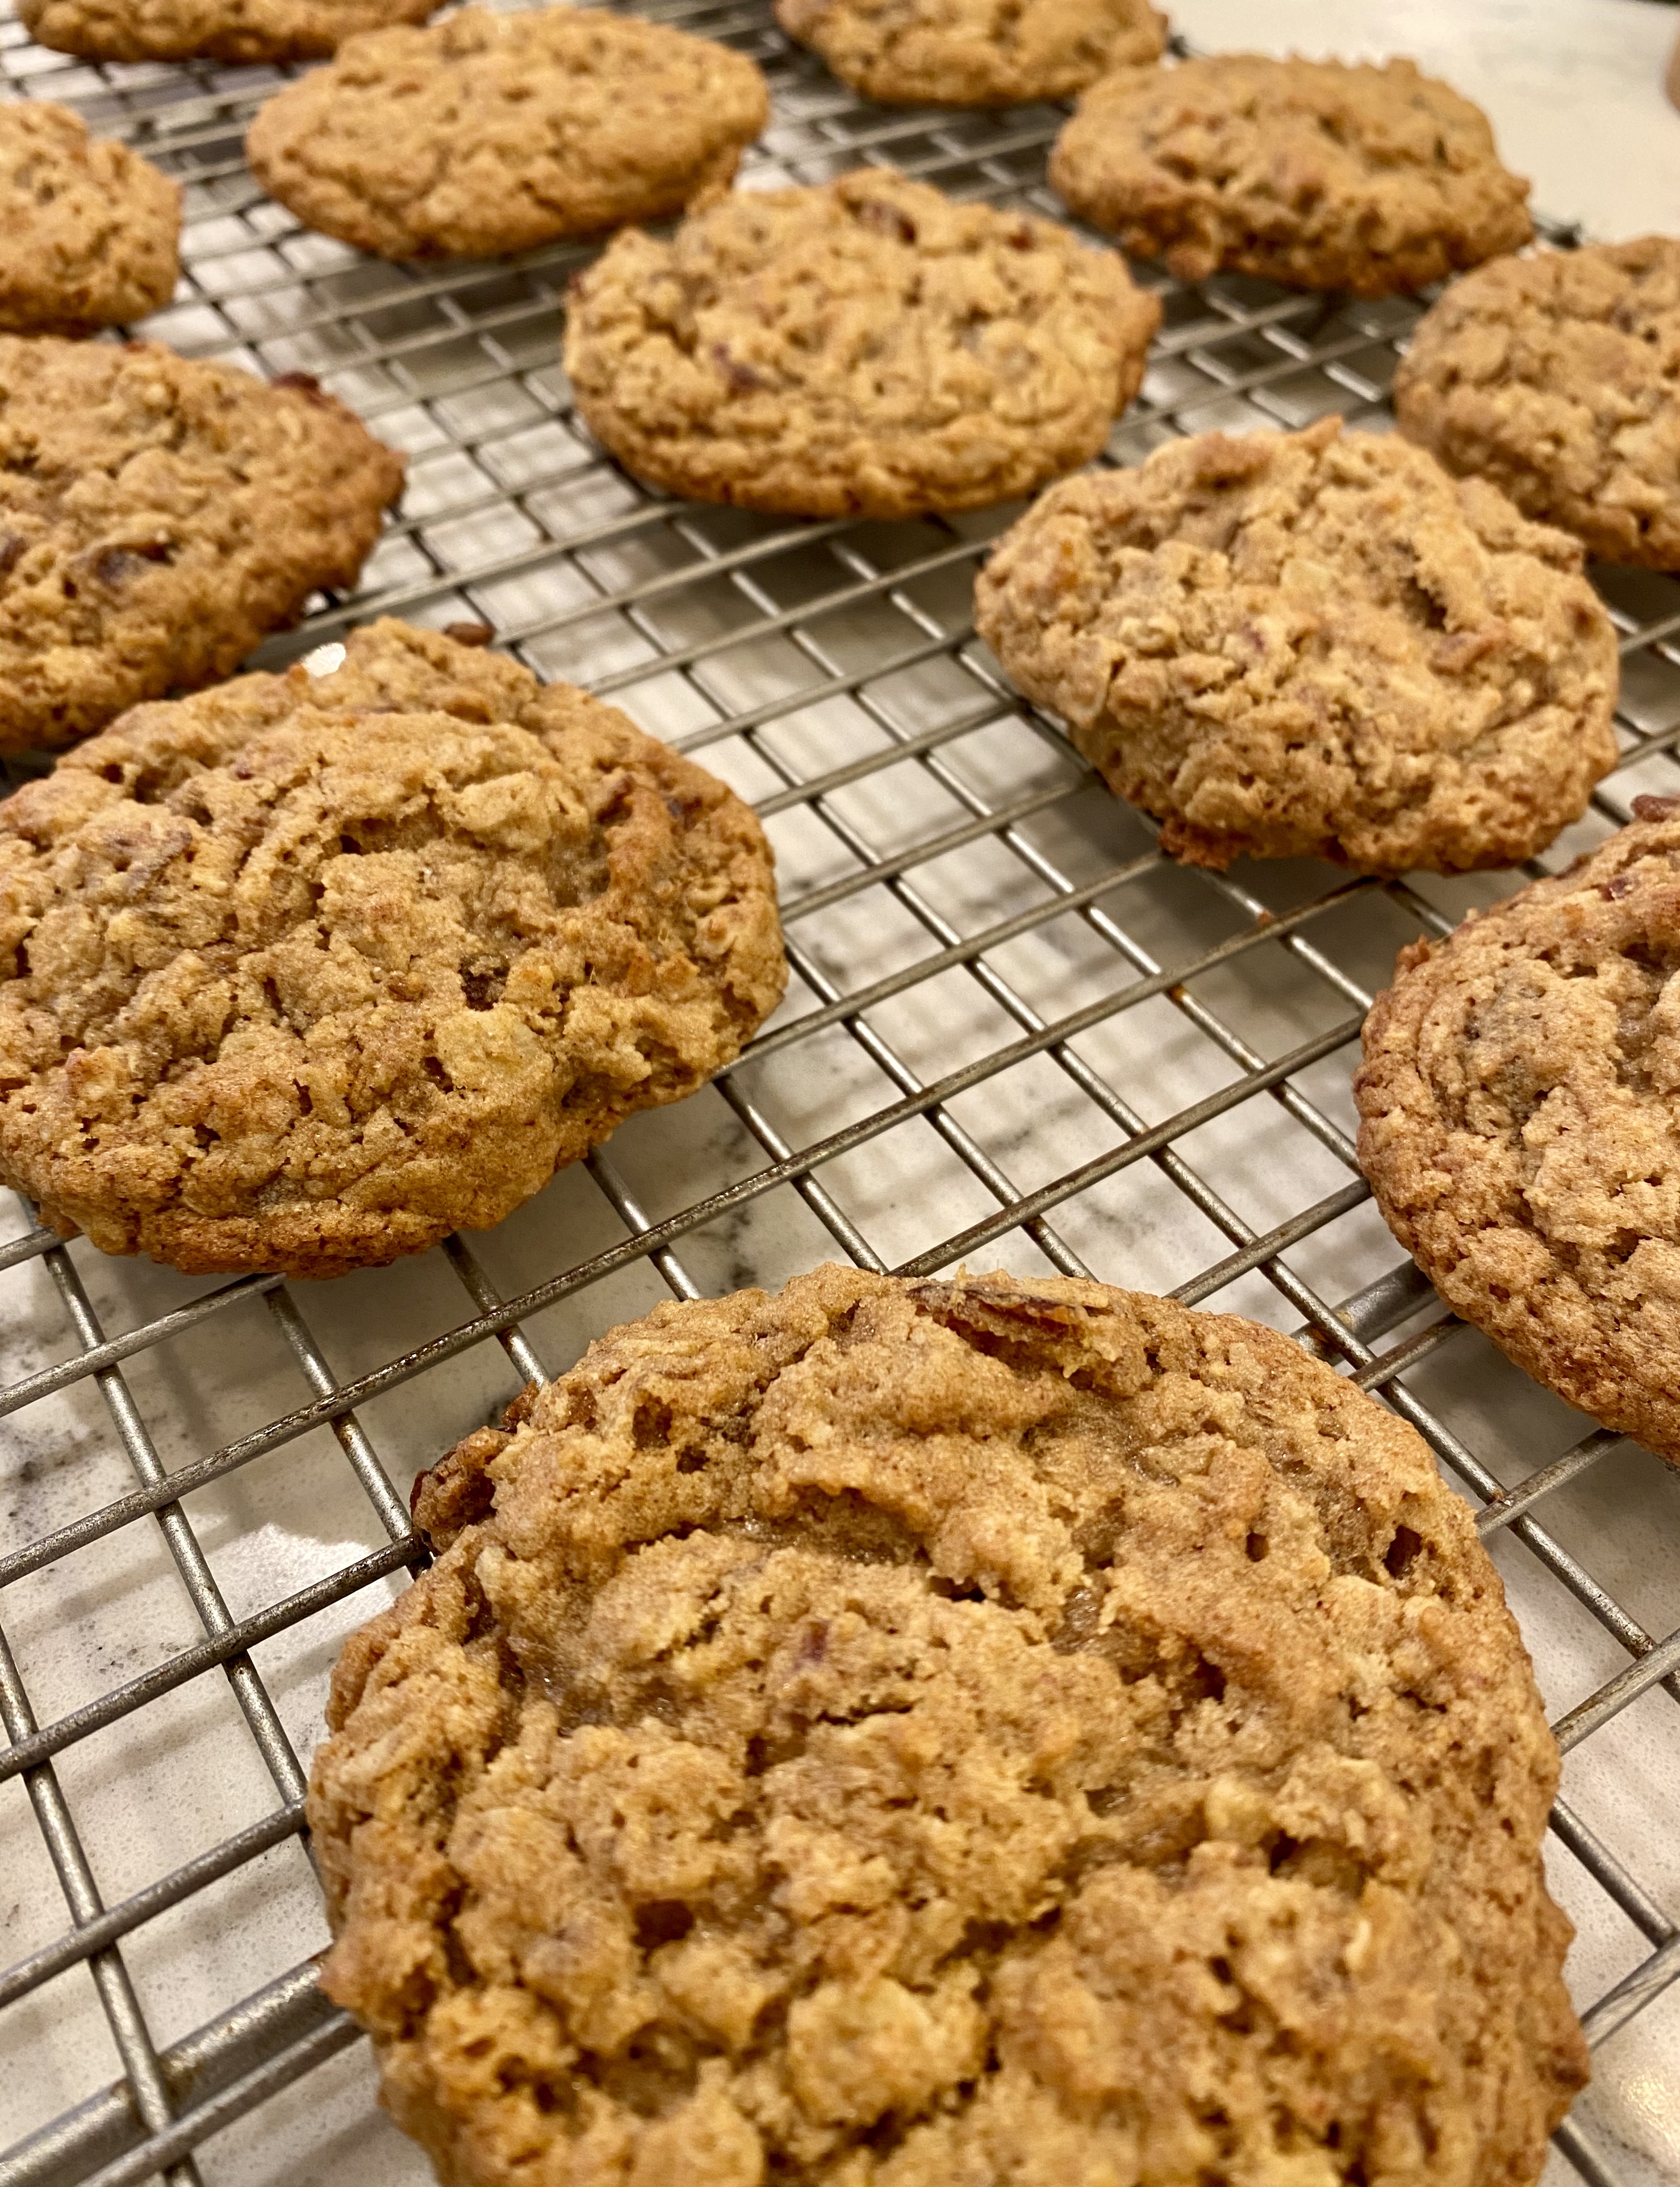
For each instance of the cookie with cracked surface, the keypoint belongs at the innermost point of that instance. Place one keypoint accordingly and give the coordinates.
(894, 1733)
(1558, 377)
(158, 517)
(1312, 644)
(208, 30)
(89, 231)
(973, 53)
(306, 971)
(1519, 1106)
(864, 347)
(488, 133)
(1321, 174)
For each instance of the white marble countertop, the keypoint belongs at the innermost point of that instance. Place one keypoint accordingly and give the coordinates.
(1574, 87)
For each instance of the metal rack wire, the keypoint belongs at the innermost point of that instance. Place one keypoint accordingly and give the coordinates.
(1015, 1034)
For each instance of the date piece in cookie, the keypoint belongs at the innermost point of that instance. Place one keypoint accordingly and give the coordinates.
(867, 347)
(1519, 1102)
(1558, 377)
(158, 517)
(1312, 644)
(973, 53)
(304, 972)
(208, 30)
(923, 1732)
(89, 230)
(489, 133)
(1322, 174)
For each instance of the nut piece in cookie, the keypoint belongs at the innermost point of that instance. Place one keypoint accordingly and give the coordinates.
(866, 347)
(208, 30)
(158, 517)
(306, 971)
(1558, 377)
(1519, 1105)
(489, 133)
(1322, 174)
(898, 1735)
(89, 230)
(975, 53)
(1312, 644)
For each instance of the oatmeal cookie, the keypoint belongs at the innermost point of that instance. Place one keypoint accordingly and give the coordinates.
(866, 347)
(158, 517)
(973, 53)
(1322, 174)
(1312, 644)
(1558, 377)
(208, 30)
(1519, 1102)
(489, 133)
(89, 230)
(304, 971)
(894, 1734)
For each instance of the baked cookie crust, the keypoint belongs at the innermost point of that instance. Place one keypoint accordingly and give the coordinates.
(1312, 644)
(1520, 1102)
(89, 231)
(1321, 174)
(158, 517)
(306, 971)
(1558, 377)
(866, 347)
(488, 133)
(973, 53)
(896, 1734)
(208, 30)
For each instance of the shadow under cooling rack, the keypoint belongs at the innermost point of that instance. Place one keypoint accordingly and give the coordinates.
(1015, 1034)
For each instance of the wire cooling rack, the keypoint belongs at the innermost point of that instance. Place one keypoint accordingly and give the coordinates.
(1015, 1036)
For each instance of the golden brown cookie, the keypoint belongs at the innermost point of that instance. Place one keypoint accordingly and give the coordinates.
(864, 347)
(896, 1735)
(487, 134)
(1312, 644)
(89, 230)
(210, 29)
(1322, 174)
(158, 517)
(1520, 1108)
(975, 53)
(306, 971)
(1558, 377)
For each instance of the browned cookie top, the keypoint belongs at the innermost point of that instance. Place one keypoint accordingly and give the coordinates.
(157, 517)
(1315, 644)
(213, 30)
(1521, 1099)
(867, 346)
(88, 229)
(975, 53)
(304, 971)
(1559, 377)
(488, 133)
(893, 1734)
(1320, 173)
